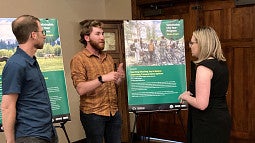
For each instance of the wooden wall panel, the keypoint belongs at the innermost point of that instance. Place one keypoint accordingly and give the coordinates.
(242, 21)
(251, 90)
(238, 100)
(212, 17)
(235, 26)
(242, 109)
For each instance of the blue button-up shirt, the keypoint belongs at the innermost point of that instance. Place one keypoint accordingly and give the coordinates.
(22, 75)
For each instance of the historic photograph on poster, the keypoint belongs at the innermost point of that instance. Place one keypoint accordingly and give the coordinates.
(155, 64)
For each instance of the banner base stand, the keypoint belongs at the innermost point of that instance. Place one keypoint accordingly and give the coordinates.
(62, 125)
(134, 126)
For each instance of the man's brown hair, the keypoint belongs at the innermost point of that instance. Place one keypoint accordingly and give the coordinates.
(23, 26)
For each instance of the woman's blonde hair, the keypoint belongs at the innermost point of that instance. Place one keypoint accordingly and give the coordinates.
(209, 44)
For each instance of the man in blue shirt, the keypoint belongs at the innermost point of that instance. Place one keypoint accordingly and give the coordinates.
(26, 108)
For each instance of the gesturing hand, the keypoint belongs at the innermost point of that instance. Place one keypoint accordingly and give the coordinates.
(120, 71)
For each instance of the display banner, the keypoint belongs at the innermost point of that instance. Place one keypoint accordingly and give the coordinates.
(155, 64)
(51, 64)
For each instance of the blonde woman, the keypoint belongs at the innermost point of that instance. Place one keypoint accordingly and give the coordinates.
(209, 120)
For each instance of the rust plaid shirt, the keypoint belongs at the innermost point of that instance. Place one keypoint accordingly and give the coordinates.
(86, 66)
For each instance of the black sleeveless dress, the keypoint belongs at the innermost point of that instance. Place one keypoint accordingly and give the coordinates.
(213, 124)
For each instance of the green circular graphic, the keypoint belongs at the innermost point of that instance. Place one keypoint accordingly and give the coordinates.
(172, 29)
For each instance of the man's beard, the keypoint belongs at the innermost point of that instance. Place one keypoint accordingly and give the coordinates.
(39, 46)
(97, 46)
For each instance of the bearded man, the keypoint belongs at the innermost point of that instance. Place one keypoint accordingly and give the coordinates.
(95, 80)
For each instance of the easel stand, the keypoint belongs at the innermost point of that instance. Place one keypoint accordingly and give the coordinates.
(147, 131)
(62, 125)
(134, 126)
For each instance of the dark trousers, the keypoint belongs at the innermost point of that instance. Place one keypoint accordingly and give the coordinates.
(35, 140)
(99, 128)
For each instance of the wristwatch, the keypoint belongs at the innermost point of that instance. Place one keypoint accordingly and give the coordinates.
(100, 79)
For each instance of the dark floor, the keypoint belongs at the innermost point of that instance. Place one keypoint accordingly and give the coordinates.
(156, 141)
(232, 141)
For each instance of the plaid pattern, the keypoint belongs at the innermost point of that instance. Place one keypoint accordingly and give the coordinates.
(86, 66)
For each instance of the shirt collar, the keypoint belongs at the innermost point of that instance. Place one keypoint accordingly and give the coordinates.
(89, 54)
(26, 56)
